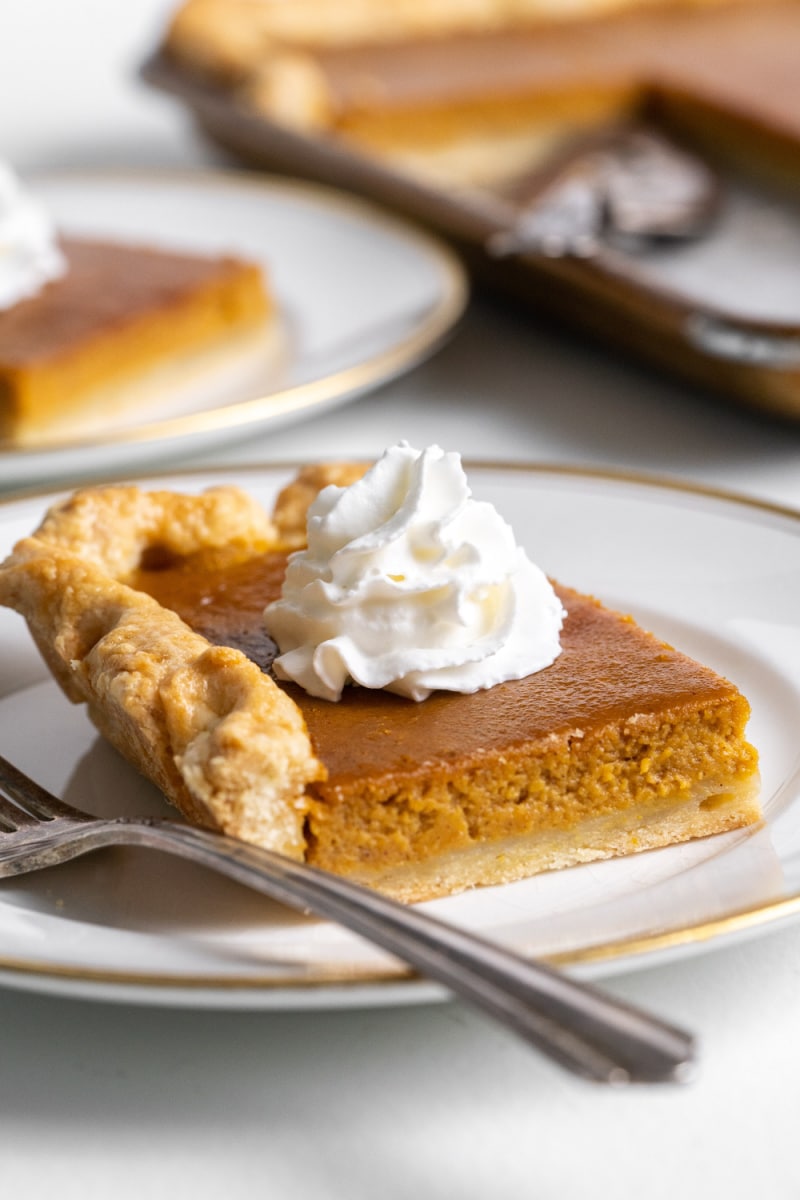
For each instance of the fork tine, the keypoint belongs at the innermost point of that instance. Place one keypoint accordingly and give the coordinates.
(13, 817)
(24, 802)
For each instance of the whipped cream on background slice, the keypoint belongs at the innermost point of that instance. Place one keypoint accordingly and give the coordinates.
(410, 584)
(29, 252)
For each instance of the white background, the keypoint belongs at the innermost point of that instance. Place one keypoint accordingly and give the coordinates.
(428, 1102)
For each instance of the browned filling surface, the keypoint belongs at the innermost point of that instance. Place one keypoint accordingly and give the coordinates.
(608, 670)
(619, 719)
(106, 287)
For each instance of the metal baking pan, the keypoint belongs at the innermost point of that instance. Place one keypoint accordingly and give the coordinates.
(708, 290)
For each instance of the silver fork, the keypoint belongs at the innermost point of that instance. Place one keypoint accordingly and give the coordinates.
(589, 1033)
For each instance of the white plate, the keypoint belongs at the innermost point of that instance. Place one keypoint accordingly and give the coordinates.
(715, 576)
(362, 296)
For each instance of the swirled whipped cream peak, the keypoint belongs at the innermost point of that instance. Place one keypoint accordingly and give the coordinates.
(29, 253)
(410, 584)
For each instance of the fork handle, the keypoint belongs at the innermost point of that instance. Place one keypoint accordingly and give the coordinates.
(588, 1032)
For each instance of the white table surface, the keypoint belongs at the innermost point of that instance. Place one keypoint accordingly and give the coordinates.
(428, 1102)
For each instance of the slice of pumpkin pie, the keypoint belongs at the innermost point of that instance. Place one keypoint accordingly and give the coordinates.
(589, 738)
(87, 326)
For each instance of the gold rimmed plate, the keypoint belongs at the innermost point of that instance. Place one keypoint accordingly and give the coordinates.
(713, 574)
(362, 297)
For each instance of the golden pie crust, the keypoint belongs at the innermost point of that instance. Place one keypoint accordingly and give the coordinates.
(622, 745)
(211, 730)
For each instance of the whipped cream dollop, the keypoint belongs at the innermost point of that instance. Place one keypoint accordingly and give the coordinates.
(410, 584)
(29, 252)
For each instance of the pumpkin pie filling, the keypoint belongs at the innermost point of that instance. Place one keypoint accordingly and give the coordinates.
(615, 733)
